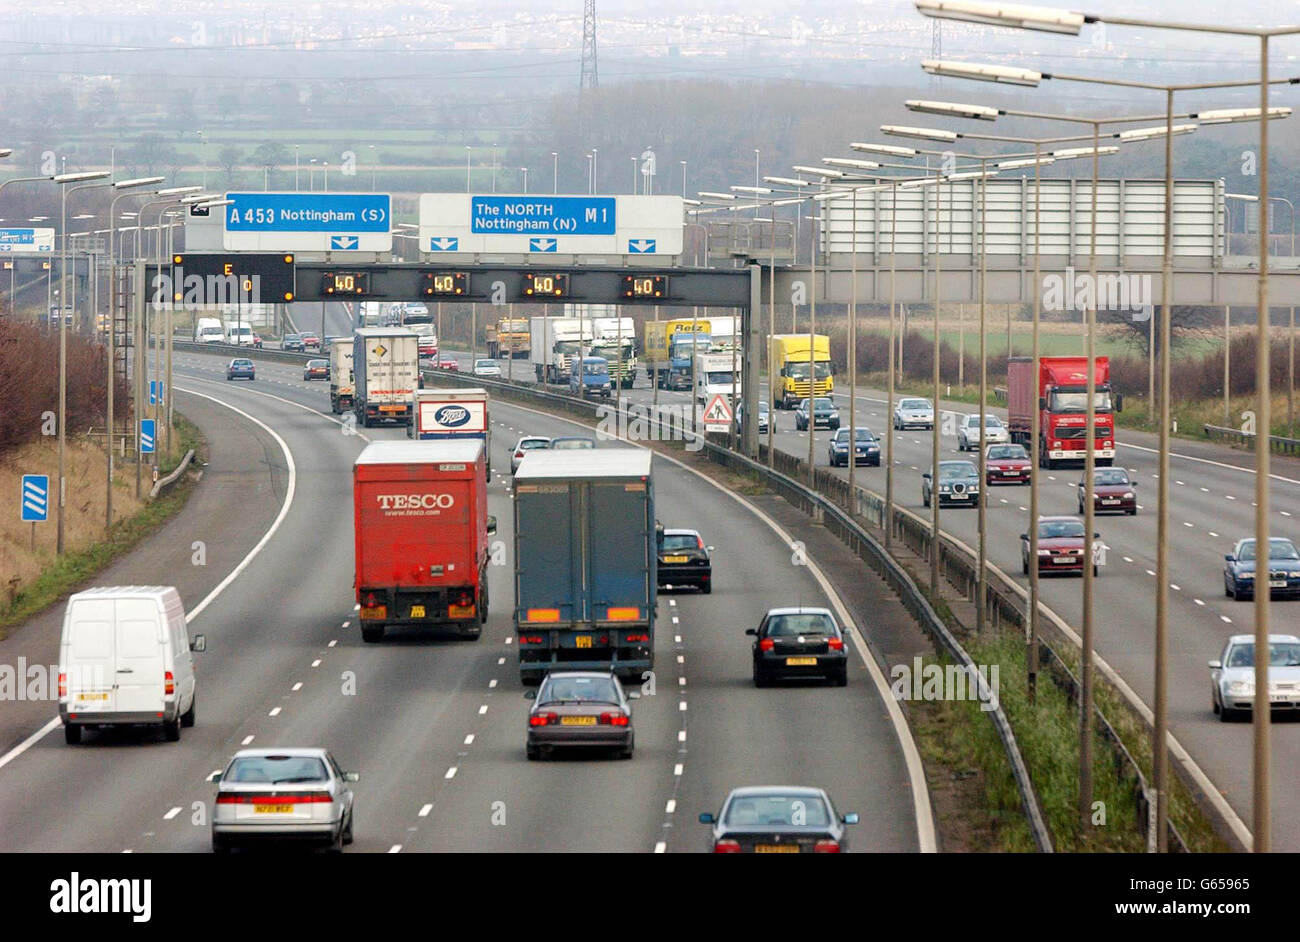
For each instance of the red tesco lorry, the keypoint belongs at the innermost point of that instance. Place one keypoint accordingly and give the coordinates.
(1060, 395)
(421, 530)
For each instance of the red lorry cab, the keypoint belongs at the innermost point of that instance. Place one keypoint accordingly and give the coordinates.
(1059, 393)
(421, 532)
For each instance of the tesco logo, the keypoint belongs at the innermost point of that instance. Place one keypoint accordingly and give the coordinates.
(451, 416)
(415, 501)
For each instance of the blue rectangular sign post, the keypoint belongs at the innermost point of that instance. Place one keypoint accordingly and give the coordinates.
(155, 391)
(542, 215)
(146, 436)
(36, 498)
(308, 212)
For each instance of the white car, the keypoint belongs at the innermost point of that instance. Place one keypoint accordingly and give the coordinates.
(487, 368)
(281, 793)
(523, 446)
(968, 432)
(914, 412)
(1232, 676)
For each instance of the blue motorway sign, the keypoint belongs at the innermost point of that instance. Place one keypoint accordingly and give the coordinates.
(308, 212)
(542, 215)
(147, 445)
(155, 391)
(36, 497)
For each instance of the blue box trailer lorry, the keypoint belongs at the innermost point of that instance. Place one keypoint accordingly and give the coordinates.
(585, 581)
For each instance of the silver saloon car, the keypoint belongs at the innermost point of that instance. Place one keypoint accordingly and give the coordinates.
(283, 794)
(1232, 676)
(913, 413)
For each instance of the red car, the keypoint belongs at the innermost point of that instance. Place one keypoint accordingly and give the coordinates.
(257, 341)
(1007, 464)
(310, 341)
(1061, 546)
(1112, 492)
(428, 347)
(448, 363)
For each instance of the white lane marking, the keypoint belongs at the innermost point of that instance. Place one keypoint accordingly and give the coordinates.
(289, 491)
(660, 847)
(1150, 572)
(172, 813)
(275, 711)
(681, 681)
(926, 838)
(681, 706)
(1213, 534)
(246, 740)
(30, 741)
(681, 735)
(1205, 490)
(315, 663)
(482, 709)
(1180, 483)
(677, 639)
(451, 773)
(346, 624)
(676, 621)
(509, 639)
(681, 659)
(1285, 513)
(1226, 619)
(668, 808)
(1188, 524)
(395, 849)
(677, 769)
(424, 810)
(1230, 497)
(492, 683)
(332, 643)
(1128, 559)
(1198, 601)
(1176, 588)
(469, 739)
(500, 660)
(672, 602)
(296, 687)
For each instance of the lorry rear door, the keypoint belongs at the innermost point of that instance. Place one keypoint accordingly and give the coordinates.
(547, 587)
(619, 563)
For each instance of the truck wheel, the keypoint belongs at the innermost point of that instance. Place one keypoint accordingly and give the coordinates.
(187, 718)
(172, 730)
(72, 734)
(372, 633)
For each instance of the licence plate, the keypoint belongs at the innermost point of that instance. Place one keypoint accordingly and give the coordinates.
(1063, 560)
(1110, 500)
(801, 662)
(417, 611)
(88, 697)
(776, 848)
(577, 721)
(1280, 697)
(374, 611)
(272, 809)
(1010, 474)
(460, 611)
(392, 408)
(1277, 583)
(582, 641)
(959, 496)
(675, 559)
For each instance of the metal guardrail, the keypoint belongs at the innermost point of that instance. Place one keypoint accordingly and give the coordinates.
(1277, 444)
(165, 483)
(230, 349)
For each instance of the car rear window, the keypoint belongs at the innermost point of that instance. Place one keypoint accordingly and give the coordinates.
(1060, 529)
(268, 770)
(585, 689)
(790, 810)
(574, 443)
(805, 624)
(682, 541)
(530, 444)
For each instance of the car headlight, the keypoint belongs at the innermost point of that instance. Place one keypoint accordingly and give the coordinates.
(1245, 575)
(877, 448)
(1043, 552)
(944, 488)
(1128, 495)
(1241, 686)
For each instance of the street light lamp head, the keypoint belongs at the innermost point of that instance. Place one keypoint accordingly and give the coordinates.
(1146, 134)
(5, 151)
(761, 190)
(138, 181)
(199, 197)
(1072, 153)
(79, 177)
(850, 162)
(1233, 115)
(1026, 162)
(788, 202)
(212, 204)
(1001, 74)
(178, 190)
(889, 150)
(921, 182)
(717, 196)
(952, 109)
(1019, 16)
(929, 134)
(1245, 197)
(787, 181)
(818, 171)
(691, 202)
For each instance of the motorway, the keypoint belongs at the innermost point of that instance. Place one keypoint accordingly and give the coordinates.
(1212, 506)
(436, 727)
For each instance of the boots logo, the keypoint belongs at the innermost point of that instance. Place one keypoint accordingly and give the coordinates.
(415, 501)
(451, 416)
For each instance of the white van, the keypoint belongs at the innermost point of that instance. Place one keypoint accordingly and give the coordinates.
(124, 659)
(208, 330)
(240, 335)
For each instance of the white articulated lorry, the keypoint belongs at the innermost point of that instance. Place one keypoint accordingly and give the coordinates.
(385, 372)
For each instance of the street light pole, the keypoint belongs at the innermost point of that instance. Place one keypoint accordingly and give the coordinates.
(555, 171)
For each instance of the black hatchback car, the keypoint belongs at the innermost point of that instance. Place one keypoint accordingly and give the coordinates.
(774, 819)
(684, 560)
(799, 642)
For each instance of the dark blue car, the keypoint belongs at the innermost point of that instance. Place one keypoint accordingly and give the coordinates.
(239, 368)
(1283, 569)
(866, 449)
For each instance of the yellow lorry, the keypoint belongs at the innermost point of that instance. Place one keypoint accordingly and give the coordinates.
(510, 336)
(790, 367)
(669, 346)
